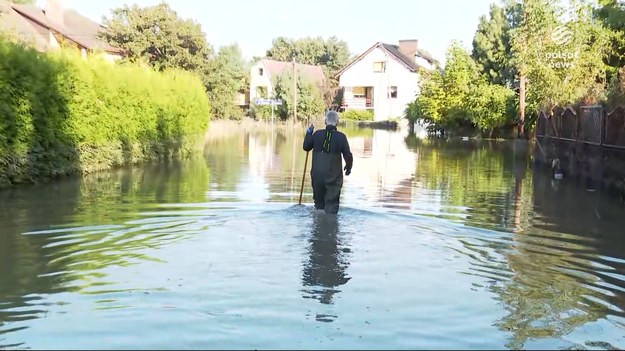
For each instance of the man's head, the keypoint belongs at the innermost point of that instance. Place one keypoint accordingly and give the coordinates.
(332, 118)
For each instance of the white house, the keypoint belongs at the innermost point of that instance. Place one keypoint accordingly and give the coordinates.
(262, 73)
(384, 78)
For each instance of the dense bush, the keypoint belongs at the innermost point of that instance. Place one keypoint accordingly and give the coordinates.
(263, 112)
(62, 114)
(310, 102)
(357, 115)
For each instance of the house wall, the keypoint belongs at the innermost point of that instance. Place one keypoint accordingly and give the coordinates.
(52, 41)
(362, 74)
(111, 57)
(258, 80)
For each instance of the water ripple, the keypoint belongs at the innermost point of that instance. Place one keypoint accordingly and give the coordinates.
(437, 256)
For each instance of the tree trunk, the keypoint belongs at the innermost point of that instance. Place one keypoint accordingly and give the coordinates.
(521, 126)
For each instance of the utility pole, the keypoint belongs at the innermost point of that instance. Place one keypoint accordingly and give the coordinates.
(523, 78)
(294, 91)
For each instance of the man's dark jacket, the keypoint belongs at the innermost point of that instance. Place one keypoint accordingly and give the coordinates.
(328, 145)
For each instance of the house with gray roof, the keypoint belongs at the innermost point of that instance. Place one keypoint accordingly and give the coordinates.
(384, 78)
(54, 25)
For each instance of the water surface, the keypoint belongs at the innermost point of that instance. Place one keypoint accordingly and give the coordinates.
(438, 245)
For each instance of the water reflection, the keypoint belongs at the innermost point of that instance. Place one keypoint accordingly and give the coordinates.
(545, 260)
(325, 270)
(562, 273)
(62, 237)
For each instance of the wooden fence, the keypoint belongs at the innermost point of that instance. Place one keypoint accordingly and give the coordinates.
(588, 143)
(589, 125)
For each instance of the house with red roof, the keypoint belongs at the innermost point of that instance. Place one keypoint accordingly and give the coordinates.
(263, 71)
(55, 25)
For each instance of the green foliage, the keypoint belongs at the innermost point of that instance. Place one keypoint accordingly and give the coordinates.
(616, 88)
(491, 106)
(492, 48)
(521, 39)
(262, 112)
(357, 115)
(461, 96)
(156, 35)
(332, 54)
(310, 102)
(460, 74)
(227, 78)
(612, 15)
(561, 81)
(61, 114)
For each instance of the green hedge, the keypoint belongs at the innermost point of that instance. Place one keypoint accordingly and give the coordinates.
(61, 114)
(357, 115)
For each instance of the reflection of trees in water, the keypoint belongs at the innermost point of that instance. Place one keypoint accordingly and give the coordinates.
(471, 177)
(45, 263)
(546, 297)
(224, 156)
(548, 281)
(561, 281)
(325, 270)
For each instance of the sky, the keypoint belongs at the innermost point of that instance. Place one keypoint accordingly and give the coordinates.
(253, 24)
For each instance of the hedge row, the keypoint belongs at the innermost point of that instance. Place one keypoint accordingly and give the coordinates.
(61, 114)
(357, 115)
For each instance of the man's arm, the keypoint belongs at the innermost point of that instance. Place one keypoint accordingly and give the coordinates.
(309, 140)
(348, 157)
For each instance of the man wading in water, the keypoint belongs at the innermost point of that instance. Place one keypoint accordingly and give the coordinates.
(327, 176)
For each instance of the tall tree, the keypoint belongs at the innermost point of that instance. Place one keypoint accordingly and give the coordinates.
(226, 78)
(461, 96)
(491, 45)
(561, 72)
(612, 15)
(157, 35)
(332, 53)
(529, 43)
(460, 73)
(310, 102)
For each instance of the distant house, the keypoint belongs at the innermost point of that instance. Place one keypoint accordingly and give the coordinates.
(262, 73)
(384, 78)
(243, 98)
(49, 28)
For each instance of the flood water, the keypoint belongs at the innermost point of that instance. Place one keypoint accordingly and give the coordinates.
(438, 245)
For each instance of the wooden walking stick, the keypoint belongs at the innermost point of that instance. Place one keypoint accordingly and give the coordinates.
(301, 190)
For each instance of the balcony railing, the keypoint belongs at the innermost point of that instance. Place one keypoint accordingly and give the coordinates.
(358, 103)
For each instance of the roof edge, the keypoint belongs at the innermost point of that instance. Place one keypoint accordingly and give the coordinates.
(380, 45)
(55, 27)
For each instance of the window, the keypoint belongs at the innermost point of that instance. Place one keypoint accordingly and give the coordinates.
(260, 71)
(358, 92)
(261, 92)
(379, 67)
(392, 92)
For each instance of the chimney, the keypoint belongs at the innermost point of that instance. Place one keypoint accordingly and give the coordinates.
(408, 47)
(54, 10)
